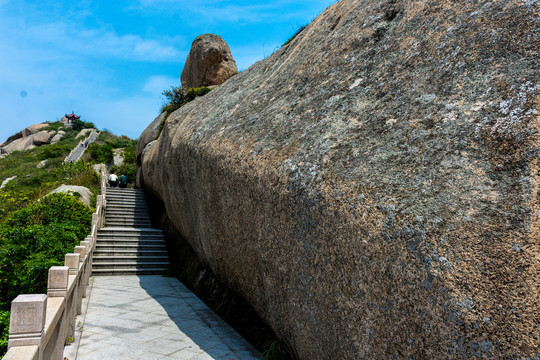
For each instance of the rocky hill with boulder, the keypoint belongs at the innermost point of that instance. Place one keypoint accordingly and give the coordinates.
(371, 188)
(30, 137)
(209, 63)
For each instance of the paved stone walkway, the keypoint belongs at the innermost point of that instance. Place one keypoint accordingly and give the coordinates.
(152, 317)
(79, 150)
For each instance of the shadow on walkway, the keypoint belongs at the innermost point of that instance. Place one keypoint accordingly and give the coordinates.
(199, 323)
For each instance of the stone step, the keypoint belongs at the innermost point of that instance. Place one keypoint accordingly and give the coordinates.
(127, 211)
(128, 245)
(143, 219)
(128, 216)
(162, 251)
(125, 202)
(138, 248)
(130, 241)
(129, 265)
(132, 214)
(125, 196)
(128, 224)
(110, 272)
(136, 231)
(131, 236)
(125, 190)
(124, 193)
(130, 258)
(122, 206)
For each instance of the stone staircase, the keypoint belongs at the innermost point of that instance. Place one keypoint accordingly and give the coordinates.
(128, 245)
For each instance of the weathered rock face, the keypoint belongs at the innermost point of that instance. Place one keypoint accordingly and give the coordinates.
(209, 62)
(56, 138)
(24, 139)
(372, 187)
(41, 138)
(33, 129)
(85, 195)
(28, 142)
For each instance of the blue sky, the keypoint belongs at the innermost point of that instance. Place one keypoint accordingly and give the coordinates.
(109, 61)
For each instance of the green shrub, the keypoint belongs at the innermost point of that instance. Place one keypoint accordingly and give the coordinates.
(11, 200)
(35, 238)
(55, 126)
(175, 97)
(78, 125)
(4, 331)
(101, 154)
(54, 150)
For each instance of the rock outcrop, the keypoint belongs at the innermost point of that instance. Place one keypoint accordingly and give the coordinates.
(6, 181)
(371, 188)
(209, 62)
(26, 139)
(41, 138)
(85, 195)
(56, 138)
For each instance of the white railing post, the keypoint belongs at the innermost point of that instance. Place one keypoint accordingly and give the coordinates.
(74, 304)
(27, 321)
(81, 250)
(72, 262)
(87, 270)
(58, 282)
(92, 244)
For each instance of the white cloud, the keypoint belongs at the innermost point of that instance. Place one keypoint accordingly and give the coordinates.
(99, 42)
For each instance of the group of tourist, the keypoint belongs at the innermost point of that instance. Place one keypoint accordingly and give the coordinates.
(114, 180)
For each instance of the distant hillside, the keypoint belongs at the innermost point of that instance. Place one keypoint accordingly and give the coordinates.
(36, 235)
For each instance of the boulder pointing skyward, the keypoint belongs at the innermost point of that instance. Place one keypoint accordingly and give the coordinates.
(371, 188)
(209, 62)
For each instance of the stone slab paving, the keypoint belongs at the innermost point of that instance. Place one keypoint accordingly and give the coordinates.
(153, 317)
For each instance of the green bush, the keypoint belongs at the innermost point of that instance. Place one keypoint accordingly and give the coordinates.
(55, 126)
(54, 150)
(35, 238)
(4, 331)
(101, 154)
(175, 97)
(78, 125)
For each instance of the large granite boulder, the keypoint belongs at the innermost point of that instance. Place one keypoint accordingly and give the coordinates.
(209, 62)
(33, 129)
(371, 188)
(58, 136)
(41, 138)
(19, 140)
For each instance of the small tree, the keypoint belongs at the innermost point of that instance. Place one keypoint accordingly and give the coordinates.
(175, 97)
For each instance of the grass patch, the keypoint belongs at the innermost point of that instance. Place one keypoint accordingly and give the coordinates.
(297, 32)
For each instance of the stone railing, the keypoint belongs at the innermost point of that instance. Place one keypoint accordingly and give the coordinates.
(41, 324)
